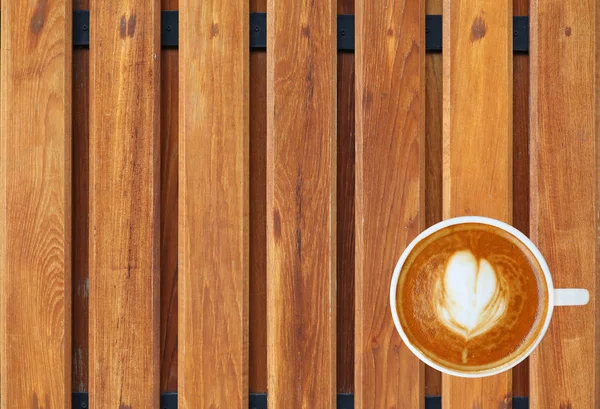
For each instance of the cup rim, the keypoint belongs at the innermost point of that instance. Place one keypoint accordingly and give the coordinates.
(491, 222)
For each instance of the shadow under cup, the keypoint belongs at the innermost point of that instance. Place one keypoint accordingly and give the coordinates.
(471, 296)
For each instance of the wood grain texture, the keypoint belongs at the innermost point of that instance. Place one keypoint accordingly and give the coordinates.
(35, 205)
(301, 205)
(124, 204)
(80, 208)
(564, 194)
(213, 204)
(258, 214)
(169, 183)
(390, 191)
(521, 167)
(433, 160)
(345, 214)
(478, 150)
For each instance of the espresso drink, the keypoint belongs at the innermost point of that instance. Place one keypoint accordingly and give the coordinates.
(471, 297)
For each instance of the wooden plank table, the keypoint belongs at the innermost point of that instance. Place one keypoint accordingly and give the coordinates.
(301, 203)
(478, 123)
(213, 205)
(35, 205)
(565, 193)
(563, 212)
(390, 191)
(124, 204)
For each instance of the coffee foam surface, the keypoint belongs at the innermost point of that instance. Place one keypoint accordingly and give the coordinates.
(471, 297)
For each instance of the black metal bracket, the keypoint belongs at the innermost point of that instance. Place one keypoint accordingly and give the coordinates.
(345, 32)
(169, 31)
(433, 33)
(81, 28)
(258, 30)
(259, 401)
(521, 33)
(169, 28)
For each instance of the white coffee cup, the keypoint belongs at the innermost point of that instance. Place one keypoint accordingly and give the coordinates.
(557, 297)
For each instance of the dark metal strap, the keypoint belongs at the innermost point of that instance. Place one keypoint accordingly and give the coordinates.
(258, 31)
(259, 401)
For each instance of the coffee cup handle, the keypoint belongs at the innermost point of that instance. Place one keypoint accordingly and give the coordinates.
(570, 296)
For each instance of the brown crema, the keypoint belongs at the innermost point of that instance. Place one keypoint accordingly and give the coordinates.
(471, 297)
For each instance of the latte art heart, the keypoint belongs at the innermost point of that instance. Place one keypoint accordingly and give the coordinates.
(470, 297)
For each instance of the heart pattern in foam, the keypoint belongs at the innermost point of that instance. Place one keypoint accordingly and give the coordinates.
(470, 297)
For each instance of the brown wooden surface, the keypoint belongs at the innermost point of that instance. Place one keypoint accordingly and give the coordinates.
(258, 222)
(564, 194)
(478, 140)
(35, 205)
(301, 203)
(80, 208)
(521, 167)
(124, 204)
(345, 214)
(169, 174)
(258, 214)
(345, 187)
(213, 204)
(390, 191)
(433, 160)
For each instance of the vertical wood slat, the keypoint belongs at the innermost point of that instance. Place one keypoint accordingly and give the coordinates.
(564, 193)
(390, 191)
(80, 209)
(477, 145)
(35, 205)
(169, 182)
(433, 161)
(521, 167)
(124, 204)
(258, 215)
(301, 191)
(213, 204)
(345, 214)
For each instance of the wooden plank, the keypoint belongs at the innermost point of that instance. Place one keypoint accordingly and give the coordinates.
(124, 204)
(477, 65)
(258, 214)
(80, 229)
(301, 191)
(213, 204)
(433, 161)
(521, 167)
(345, 214)
(35, 205)
(169, 216)
(390, 191)
(564, 193)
